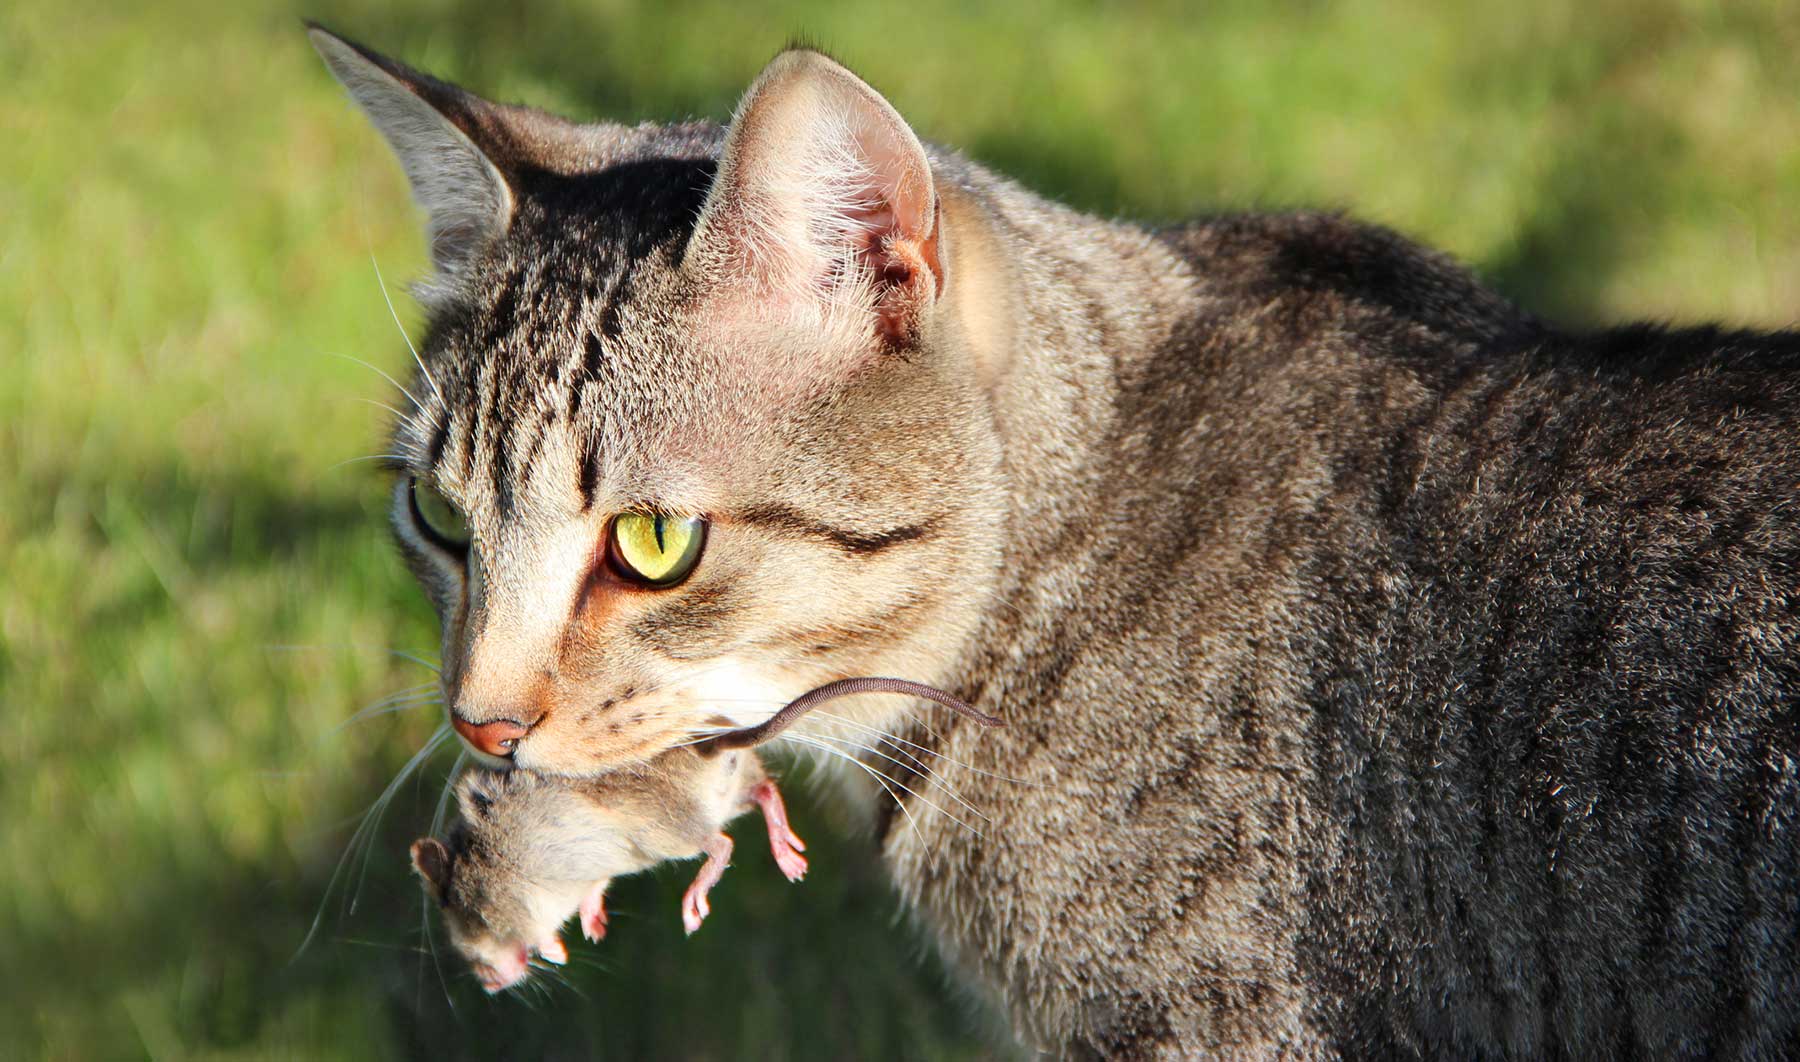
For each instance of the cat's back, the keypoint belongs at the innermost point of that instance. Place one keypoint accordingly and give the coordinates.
(1501, 618)
(1553, 693)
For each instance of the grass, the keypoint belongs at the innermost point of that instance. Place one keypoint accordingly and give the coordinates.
(197, 588)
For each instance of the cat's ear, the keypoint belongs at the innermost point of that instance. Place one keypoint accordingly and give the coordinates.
(438, 132)
(824, 193)
(432, 862)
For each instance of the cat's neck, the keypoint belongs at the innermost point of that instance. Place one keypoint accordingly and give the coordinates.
(1055, 307)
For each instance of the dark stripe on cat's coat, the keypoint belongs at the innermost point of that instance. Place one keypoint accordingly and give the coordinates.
(861, 543)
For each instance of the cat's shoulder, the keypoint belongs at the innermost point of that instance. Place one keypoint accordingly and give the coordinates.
(1327, 262)
(1329, 271)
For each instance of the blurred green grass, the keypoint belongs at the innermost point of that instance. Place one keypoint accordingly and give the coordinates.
(198, 590)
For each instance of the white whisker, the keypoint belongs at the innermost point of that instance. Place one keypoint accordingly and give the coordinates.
(420, 406)
(393, 459)
(382, 405)
(903, 787)
(912, 823)
(409, 343)
(443, 803)
(923, 770)
(364, 834)
(404, 701)
(342, 646)
(922, 748)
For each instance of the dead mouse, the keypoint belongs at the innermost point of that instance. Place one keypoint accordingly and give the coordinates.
(530, 850)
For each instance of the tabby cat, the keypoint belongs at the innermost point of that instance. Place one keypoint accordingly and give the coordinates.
(1386, 672)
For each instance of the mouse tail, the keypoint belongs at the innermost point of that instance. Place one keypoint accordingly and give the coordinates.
(769, 729)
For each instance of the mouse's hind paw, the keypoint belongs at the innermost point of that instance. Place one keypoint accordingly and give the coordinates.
(784, 843)
(694, 907)
(593, 912)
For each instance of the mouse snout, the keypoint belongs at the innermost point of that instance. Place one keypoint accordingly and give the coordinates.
(496, 737)
(504, 972)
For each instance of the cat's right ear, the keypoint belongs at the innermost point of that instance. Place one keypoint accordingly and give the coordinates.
(432, 861)
(824, 200)
(437, 131)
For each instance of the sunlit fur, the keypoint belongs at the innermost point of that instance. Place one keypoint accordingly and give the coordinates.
(1387, 673)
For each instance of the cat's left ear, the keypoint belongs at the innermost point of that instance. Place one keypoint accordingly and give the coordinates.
(824, 193)
(452, 144)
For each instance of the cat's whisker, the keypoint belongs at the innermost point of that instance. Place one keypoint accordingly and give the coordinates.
(410, 705)
(403, 700)
(927, 801)
(364, 835)
(443, 801)
(425, 752)
(912, 762)
(382, 405)
(390, 459)
(923, 770)
(420, 406)
(408, 339)
(343, 647)
(903, 787)
(935, 753)
(431, 944)
(880, 780)
(885, 735)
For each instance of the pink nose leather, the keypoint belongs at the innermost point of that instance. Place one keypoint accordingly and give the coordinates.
(497, 738)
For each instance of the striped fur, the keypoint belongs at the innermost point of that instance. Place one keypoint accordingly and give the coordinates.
(1388, 673)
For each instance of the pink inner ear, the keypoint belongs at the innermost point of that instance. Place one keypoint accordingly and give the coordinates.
(825, 197)
(898, 213)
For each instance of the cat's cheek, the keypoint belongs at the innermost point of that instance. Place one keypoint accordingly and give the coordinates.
(732, 694)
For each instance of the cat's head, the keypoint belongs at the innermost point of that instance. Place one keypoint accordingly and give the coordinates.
(694, 427)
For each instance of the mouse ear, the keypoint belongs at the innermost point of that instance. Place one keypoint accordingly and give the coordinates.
(432, 860)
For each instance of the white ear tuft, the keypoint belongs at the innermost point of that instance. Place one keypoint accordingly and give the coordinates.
(463, 192)
(824, 195)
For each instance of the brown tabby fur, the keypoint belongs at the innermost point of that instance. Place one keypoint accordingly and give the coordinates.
(1386, 673)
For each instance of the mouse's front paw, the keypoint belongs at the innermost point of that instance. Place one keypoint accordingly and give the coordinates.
(694, 908)
(552, 950)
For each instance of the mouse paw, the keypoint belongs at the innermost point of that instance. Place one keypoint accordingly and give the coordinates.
(694, 909)
(784, 843)
(791, 862)
(552, 950)
(593, 913)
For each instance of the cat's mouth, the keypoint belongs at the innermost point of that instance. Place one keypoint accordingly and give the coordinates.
(577, 754)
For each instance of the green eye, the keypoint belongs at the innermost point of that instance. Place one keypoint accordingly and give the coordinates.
(654, 550)
(441, 521)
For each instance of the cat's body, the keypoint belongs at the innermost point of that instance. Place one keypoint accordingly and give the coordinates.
(1448, 706)
(1385, 672)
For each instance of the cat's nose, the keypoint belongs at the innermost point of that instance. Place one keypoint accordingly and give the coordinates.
(497, 738)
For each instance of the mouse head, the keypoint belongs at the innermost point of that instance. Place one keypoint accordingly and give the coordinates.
(496, 915)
